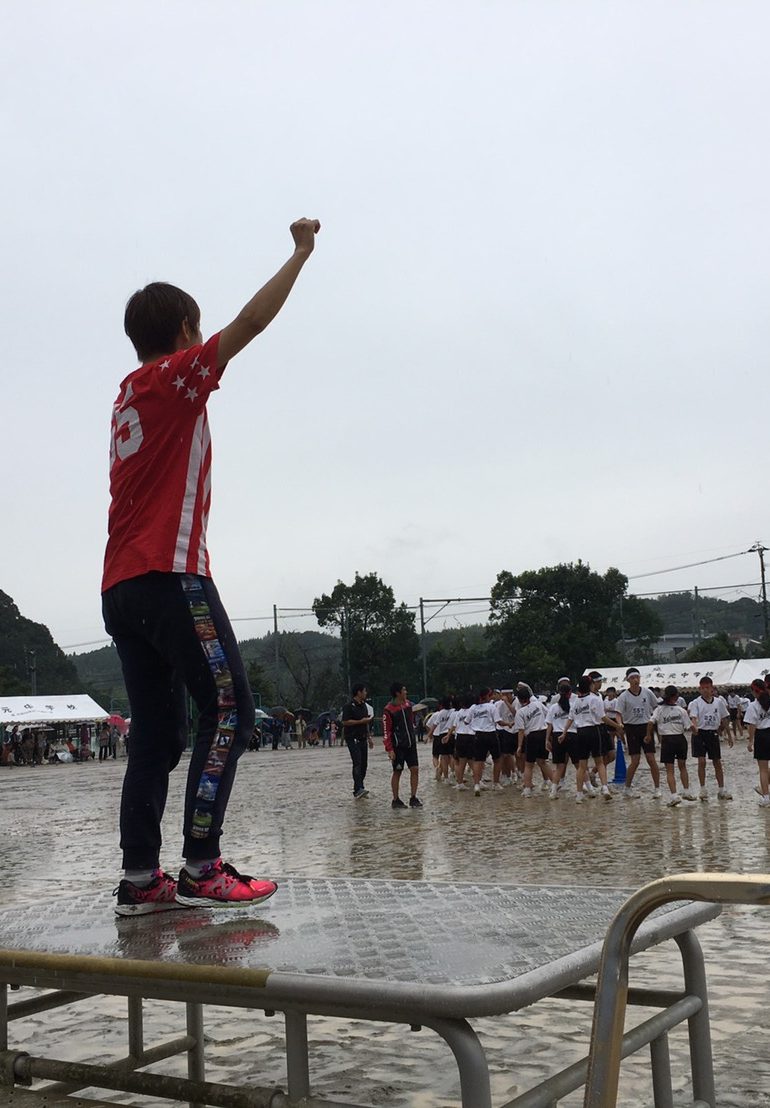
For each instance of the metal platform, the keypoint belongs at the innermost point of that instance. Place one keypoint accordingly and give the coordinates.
(409, 952)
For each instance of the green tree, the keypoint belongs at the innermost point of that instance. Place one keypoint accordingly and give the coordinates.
(559, 619)
(718, 648)
(260, 683)
(379, 640)
(457, 665)
(23, 643)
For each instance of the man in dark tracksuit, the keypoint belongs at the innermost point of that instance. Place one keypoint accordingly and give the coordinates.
(400, 743)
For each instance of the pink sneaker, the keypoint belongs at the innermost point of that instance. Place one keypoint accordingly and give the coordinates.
(221, 887)
(158, 896)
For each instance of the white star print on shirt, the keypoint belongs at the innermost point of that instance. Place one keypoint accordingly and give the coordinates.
(204, 371)
(179, 383)
(166, 364)
(191, 394)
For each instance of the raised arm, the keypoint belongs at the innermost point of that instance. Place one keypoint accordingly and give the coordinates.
(267, 303)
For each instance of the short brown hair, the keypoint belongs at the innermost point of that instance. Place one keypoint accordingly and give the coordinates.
(154, 318)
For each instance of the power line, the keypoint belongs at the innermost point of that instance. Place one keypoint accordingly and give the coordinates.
(690, 565)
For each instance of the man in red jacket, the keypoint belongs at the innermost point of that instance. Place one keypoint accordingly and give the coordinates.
(400, 742)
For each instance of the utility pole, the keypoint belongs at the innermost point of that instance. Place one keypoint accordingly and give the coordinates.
(347, 648)
(277, 655)
(761, 550)
(423, 650)
(33, 669)
(697, 621)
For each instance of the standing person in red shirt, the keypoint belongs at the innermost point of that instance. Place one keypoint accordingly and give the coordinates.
(400, 742)
(160, 605)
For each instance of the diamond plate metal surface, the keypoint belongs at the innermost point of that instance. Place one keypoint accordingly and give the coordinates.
(417, 932)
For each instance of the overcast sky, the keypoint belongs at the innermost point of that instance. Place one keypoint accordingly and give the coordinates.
(534, 328)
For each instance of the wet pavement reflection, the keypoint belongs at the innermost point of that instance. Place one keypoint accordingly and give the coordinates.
(292, 813)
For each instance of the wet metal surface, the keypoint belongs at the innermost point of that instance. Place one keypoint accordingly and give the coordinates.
(429, 933)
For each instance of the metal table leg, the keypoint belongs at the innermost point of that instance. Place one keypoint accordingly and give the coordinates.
(699, 1026)
(297, 1066)
(660, 1061)
(196, 1066)
(471, 1060)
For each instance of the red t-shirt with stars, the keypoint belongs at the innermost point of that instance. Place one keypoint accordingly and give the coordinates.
(160, 467)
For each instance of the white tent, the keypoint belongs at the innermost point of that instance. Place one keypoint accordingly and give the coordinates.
(685, 675)
(749, 668)
(39, 710)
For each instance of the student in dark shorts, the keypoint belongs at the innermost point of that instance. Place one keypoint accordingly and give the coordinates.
(438, 730)
(464, 738)
(635, 706)
(587, 713)
(671, 722)
(556, 719)
(160, 605)
(483, 719)
(505, 714)
(709, 716)
(400, 742)
(530, 725)
(355, 728)
(757, 719)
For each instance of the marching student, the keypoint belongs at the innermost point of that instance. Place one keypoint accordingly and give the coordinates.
(709, 714)
(486, 742)
(505, 714)
(464, 740)
(757, 719)
(587, 713)
(530, 724)
(636, 706)
(606, 749)
(438, 726)
(555, 719)
(733, 705)
(671, 722)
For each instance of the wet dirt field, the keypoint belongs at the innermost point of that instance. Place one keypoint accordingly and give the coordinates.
(292, 813)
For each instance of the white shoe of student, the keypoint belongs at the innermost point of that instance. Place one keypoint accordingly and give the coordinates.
(629, 793)
(477, 790)
(764, 801)
(497, 787)
(579, 797)
(461, 787)
(526, 792)
(588, 789)
(687, 795)
(704, 793)
(554, 792)
(724, 794)
(673, 800)
(606, 793)
(656, 794)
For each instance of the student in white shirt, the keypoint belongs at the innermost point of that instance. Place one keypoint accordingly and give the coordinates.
(733, 705)
(464, 740)
(587, 713)
(505, 713)
(487, 742)
(709, 715)
(438, 725)
(530, 724)
(556, 719)
(671, 721)
(636, 706)
(757, 719)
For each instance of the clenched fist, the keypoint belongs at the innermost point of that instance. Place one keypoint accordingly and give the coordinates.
(304, 231)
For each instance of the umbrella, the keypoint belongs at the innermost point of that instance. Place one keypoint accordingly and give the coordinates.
(304, 712)
(118, 721)
(281, 713)
(259, 714)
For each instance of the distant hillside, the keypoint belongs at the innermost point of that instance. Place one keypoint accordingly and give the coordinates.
(24, 645)
(681, 615)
